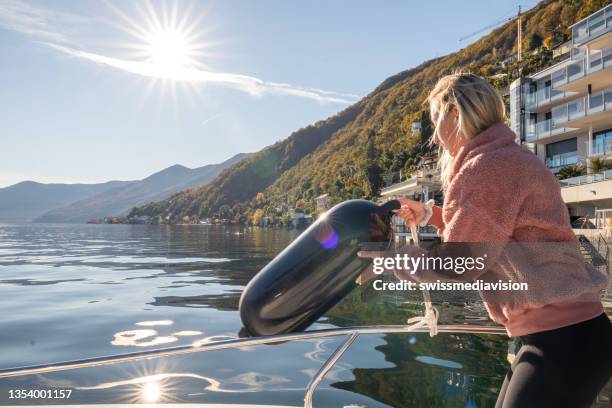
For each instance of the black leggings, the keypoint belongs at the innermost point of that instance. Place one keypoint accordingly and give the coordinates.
(564, 367)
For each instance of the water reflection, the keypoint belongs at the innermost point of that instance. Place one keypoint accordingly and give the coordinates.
(155, 323)
(160, 386)
(136, 337)
(438, 362)
(446, 370)
(213, 339)
(225, 301)
(151, 392)
(82, 291)
(149, 337)
(107, 277)
(187, 333)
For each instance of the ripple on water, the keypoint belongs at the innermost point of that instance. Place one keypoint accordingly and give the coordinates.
(438, 362)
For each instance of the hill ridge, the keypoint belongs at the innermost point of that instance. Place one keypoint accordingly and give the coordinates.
(349, 154)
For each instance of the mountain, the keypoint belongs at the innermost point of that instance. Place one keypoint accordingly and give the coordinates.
(242, 181)
(119, 200)
(26, 200)
(350, 154)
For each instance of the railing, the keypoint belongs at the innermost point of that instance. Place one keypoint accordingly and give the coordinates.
(350, 334)
(603, 248)
(406, 183)
(590, 178)
(535, 131)
(576, 109)
(542, 97)
(562, 49)
(600, 101)
(564, 159)
(600, 59)
(582, 65)
(569, 73)
(592, 26)
(603, 219)
(600, 148)
(592, 104)
(421, 176)
(543, 129)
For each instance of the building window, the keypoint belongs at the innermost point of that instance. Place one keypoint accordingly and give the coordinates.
(602, 142)
(562, 153)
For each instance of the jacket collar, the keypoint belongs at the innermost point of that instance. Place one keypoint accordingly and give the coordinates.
(494, 137)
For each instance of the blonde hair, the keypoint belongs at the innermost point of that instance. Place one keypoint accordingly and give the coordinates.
(479, 106)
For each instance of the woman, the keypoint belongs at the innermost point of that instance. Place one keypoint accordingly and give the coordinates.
(499, 192)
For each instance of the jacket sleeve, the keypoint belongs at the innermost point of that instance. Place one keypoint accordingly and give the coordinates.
(478, 218)
(482, 205)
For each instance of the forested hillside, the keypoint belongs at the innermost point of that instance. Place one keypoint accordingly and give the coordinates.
(350, 154)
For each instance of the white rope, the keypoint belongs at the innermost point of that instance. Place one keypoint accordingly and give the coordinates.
(430, 319)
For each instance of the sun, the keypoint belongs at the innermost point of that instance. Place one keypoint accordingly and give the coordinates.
(170, 50)
(170, 43)
(169, 40)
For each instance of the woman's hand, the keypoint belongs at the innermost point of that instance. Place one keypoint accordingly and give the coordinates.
(412, 212)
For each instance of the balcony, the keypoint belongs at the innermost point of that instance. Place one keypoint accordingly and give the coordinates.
(562, 49)
(587, 179)
(415, 184)
(600, 147)
(546, 130)
(592, 189)
(560, 160)
(591, 29)
(588, 110)
(593, 69)
(542, 98)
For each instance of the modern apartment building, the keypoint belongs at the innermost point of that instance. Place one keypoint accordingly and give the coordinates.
(564, 114)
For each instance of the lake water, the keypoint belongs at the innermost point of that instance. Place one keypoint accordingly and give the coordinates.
(78, 291)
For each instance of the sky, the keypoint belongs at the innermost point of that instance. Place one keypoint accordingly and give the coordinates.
(92, 91)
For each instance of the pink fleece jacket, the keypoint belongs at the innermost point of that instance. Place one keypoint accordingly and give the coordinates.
(501, 192)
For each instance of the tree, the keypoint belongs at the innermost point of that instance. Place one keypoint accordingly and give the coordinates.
(533, 41)
(225, 212)
(338, 156)
(598, 165)
(258, 217)
(373, 173)
(371, 169)
(549, 41)
(570, 171)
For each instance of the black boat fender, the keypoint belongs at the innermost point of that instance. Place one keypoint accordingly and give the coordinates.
(316, 270)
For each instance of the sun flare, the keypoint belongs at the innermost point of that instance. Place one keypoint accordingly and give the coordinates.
(167, 42)
(151, 392)
(169, 50)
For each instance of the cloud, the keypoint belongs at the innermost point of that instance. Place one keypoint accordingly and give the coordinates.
(54, 30)
(213, 117)
(38, 23)
(244, 83)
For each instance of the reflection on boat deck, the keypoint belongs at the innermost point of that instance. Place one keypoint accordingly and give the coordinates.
(167, 406)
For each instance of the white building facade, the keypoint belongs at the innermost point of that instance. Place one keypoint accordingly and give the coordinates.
(564, 114)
